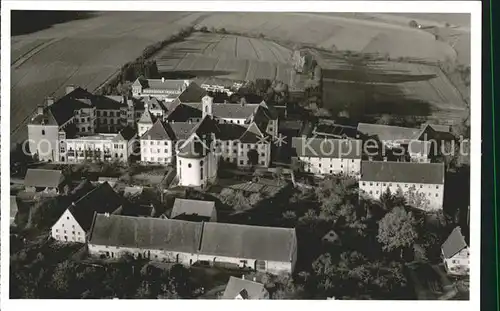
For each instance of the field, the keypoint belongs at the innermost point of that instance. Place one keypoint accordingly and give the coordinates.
(377, 87)
(88, 51)
(226, 56)
(83, 52)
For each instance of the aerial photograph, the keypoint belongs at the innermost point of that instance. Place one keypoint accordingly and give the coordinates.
(239, 155)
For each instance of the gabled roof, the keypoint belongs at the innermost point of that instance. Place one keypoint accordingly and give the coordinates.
(252, 134)
(193, 207)
(182, 130)
(389, 133)
(409, 172)
(231, 131)
(43, 178)
(63, 109)
(47, 118)
(250, 289)
(146, 118)
(101, 199)
(192, 93)
(109, 102)
(183, 112)
(327, 147)
(146, 233)
(454, 243)
(159, 131)
(252, 242)
(437, 127)
(127, 133)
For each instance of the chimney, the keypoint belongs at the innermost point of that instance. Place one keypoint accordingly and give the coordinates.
(254, 279)
(40, 109)
(70, 88)
(243, 277)
(73, 203)
(106, 214)
(162, 80)
(49, 100)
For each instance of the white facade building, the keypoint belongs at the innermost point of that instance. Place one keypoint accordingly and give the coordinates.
(325, 156)
(422, 184)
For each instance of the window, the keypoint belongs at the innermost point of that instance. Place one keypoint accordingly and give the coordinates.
(43, 132)
(437, 187)
(421, 186)
(57, 230)
(241, 162)
(319, 165)
(371, 184)
(105, 113)
(436, 195)
(406, 185)
(201, 162)
(64, 231)
(98, 113)
(166, 151)
(371, 192)
(73, 232)
(364, 184)
(189, 165)
(263, 154)
(111, 114)
(67, 217)
(82, 120)
(73, 226)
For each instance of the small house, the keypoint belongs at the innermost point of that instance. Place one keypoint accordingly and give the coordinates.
(455, 253)
(194, 210)
(41, 180)
(242, 289)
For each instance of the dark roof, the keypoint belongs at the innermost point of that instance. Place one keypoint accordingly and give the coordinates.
(388, 132)
(410, 172)
(182, 130)
(63, 109)
(231, 131)
(160, 84)
(127, 133)
(252, 134)
(252, 290)
(159, 131)
(437, 127)
(192, 93)
(232, 111)
(146, 117)
(454, 243)
(43, 178)
(146, 232)
(109, 102)
(252, 242)
(337, 130)
(101, 199)
(327, 147)
(182, 112)
(192, 207)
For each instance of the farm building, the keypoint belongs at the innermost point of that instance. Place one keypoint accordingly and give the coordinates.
(418, 144)
(168, 90)
(76, 221)
(327, 156)
(455, 253)
(422, 184)
(328, 129)
(242, 289)
(264, 249)
(194, 210)
(99, 147)
(47, 181)
(150, 238)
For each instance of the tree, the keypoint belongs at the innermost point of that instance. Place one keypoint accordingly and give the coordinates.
(397, 230)
(278, 174)
(385, 119)
(413, 24)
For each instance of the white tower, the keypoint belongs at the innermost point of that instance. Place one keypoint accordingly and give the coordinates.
(207, 102)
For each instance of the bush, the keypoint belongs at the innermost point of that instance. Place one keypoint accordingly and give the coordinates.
(413, 24)
(204, 29)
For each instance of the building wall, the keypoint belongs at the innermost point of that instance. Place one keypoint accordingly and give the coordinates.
(432, 193)
(67, 229)
(189, 171)
(156, 151)
(458, 264)
(325, 166)
(44, 141)
(142, 128)
(187, 259)
(81, 149)
(264, 151)
(110, 120)
(85, 121)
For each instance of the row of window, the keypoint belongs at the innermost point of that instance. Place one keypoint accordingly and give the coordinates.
(154, 142)
(153, 159)
(390, 185)
(379, 192)
(74, 239)
(72, 232)
(151, 150)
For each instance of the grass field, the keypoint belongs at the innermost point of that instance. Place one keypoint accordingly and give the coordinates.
(88, 51)
(83, 52)
(377, 87)
(226, 56)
